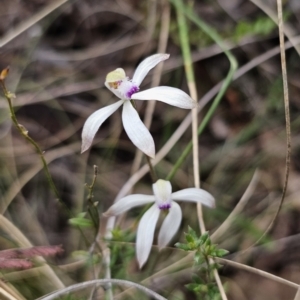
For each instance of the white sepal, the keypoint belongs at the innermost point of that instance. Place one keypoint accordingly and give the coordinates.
(94, 121)
(166, 94)
(170, 225)
(127, 203)
(146, 65)
(145, 234)
(136, 130)
(194, 195)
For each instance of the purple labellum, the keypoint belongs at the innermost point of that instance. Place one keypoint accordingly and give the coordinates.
(132, 90)
(165, 206)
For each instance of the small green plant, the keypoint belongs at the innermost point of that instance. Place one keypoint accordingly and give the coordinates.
(122, 251)
(203, 283)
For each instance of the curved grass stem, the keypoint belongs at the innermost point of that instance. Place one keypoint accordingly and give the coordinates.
(102, 282)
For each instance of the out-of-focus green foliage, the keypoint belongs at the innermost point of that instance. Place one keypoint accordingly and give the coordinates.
(261, 26)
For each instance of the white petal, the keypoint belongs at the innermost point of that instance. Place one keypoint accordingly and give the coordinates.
(146, 65)
(167, 94)
(137, 131)
(94, 121)
(195, 195)
(145, 234)
(127, 203)
(170, 225)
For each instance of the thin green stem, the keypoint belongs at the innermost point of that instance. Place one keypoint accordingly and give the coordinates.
(184, 42)
(92, 206)
(151, 168)
(188, 66)
(9, 96)
(233, 66)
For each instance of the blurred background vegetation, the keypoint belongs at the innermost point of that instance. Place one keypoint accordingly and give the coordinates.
(57, 71)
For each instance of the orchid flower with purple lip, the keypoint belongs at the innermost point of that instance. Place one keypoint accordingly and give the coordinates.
(164, 201)
(126, 90)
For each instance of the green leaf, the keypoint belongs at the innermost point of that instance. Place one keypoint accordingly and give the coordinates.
(81, 215)
(192, 233)
(196, 279)
(199, 258)
(81, 222)
(189, 238)
(195, 287)
(204, 237)
(181, 246)
(221, 252)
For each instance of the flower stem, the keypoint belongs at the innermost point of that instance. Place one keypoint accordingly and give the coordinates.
(9, 96)
(152, 171)
(92, 206)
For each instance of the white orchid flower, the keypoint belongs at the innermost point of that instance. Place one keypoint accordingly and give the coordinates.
(164, 200)
(126, 89)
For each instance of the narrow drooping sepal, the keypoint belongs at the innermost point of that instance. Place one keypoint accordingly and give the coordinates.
(170, 225)
(137, 131)
(94, 121)
(194, 195)
(166, 94)
(127, 203)
(145, 234)
(146, 65)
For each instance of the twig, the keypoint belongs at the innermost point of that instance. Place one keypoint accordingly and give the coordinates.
(9, 288)
(185, 46)
(287, 118)
(22, 130)
(92, 210)
(288, 30)
(6, 295)
(188, 66)
(238, 208)
(29, 174)
(16, 235)
(297, 296)
(257, 271)
(222, 89)
(83, 285)
(20, 28)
